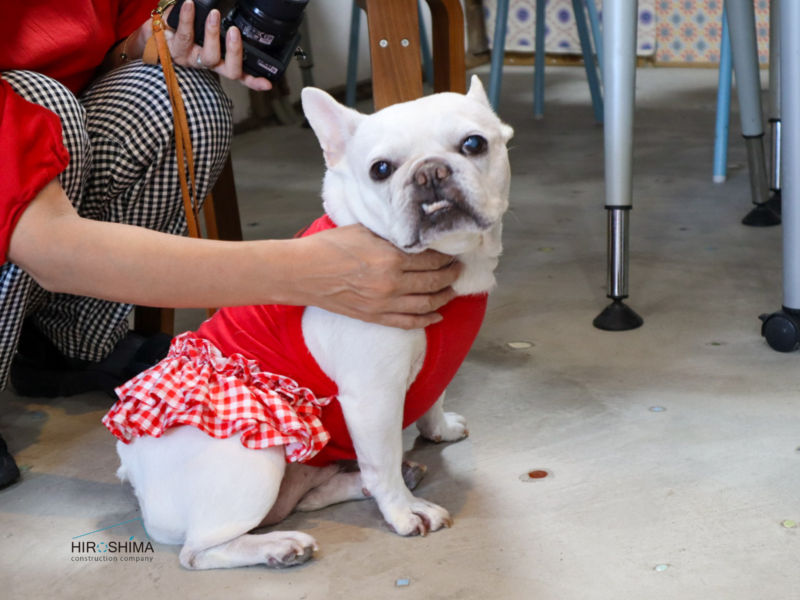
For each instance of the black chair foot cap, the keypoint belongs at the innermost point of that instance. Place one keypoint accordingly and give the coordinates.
(762, 216)
(618, 316)
(775, 203)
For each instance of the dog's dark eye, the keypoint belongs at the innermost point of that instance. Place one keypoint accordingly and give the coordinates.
(474, 145)
(381, 170)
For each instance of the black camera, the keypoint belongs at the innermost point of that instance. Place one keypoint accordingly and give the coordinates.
(270, 31)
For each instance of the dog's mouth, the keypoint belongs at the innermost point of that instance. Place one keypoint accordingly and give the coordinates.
(439, 216)
(451, 212)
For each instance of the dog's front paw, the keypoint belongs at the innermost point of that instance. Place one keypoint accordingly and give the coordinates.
(418, 518)
(451, 428)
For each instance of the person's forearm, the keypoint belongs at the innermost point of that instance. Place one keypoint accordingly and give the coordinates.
(346, 270)
(134, 265)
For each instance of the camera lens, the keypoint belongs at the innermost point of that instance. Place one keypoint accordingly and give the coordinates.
(260, 25)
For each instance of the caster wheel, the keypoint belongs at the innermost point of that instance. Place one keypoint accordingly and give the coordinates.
(781, 331)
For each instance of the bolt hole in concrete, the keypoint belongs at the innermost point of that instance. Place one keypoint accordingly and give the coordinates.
(536, 475)
(657, 409)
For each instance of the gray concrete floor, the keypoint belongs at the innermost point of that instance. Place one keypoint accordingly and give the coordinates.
(702, 487)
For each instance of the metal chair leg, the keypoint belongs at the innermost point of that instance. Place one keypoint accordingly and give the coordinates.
(723, 104)
(588, 59)
(597, 33)
(352, 56)
(538, 73)
(620, 20)
(427, 59)
(498, 51)
(782, 328)
(742, 23)
(774, 108)
(790, 98)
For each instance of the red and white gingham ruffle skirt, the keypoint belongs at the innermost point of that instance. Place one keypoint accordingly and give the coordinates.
(196, 385)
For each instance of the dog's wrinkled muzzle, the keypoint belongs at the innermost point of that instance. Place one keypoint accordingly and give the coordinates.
(439, 201)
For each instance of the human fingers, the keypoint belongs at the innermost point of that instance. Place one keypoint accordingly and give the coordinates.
(182, 42)
(430, 260)
(210, 52)
(261, 84)
(420, 304)
(232, 66)
(399, 320)
(428, 282)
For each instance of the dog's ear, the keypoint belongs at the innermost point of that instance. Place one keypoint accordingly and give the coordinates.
(476, 91)
(333, 123)
(506, 131)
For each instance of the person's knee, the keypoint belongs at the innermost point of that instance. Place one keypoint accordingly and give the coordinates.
(205, 98)
(210, 115)
(131, 106)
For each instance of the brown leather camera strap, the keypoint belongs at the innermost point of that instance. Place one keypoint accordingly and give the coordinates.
(157, 50)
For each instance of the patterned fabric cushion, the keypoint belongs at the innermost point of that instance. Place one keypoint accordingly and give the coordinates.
(561, 36)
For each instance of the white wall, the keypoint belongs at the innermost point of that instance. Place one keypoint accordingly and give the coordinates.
(329, 22)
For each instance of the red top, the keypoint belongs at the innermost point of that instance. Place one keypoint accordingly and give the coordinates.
(272, 335)
(66, 41)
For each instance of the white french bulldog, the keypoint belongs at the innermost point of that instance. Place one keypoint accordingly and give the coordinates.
(431, 173)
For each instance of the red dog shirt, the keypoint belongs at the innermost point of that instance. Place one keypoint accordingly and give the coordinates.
(236, 389)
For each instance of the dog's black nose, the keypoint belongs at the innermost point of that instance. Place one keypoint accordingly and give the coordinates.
(432, 173)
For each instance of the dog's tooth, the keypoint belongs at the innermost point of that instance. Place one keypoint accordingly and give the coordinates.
(432, 207)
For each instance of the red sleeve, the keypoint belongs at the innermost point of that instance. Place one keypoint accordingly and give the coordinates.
(132, 14)
(32, 154)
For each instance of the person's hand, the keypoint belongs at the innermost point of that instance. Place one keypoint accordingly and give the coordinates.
(186, 53)
(353, 272)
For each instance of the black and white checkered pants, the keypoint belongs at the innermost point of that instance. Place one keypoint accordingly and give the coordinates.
(122, 169)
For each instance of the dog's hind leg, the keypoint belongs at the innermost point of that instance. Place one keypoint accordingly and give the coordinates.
(207, 494)
(246, 489)
(343, 487)
(298, 480)
(439, 426)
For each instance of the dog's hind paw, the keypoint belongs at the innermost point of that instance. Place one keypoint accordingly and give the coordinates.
(288, 548)
(276, 549)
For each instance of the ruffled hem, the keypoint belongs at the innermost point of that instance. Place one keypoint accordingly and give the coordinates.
(196, 385)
